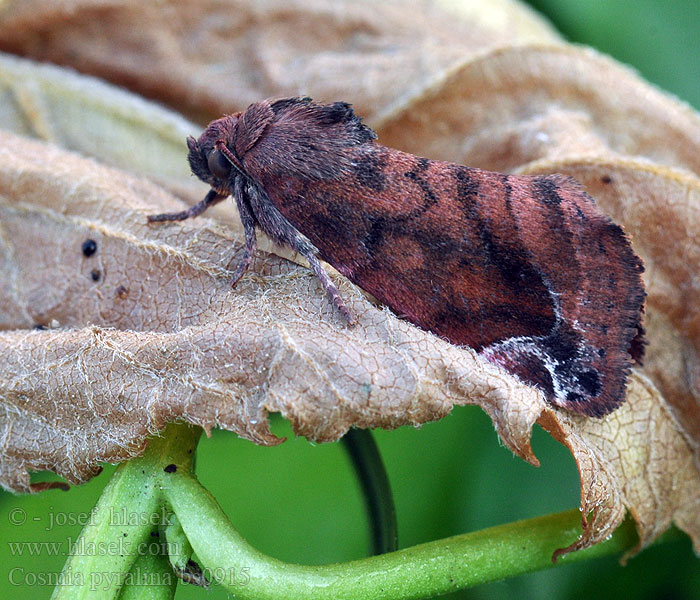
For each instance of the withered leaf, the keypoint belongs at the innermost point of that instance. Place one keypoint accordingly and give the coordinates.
(635, 459)
(161, 336)
(513, 105)
(210, 57)
(544, 109)
(97, 119)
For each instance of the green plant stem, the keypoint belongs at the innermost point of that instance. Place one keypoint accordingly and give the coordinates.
(373, 478)
(132, 508)
(422, 571)
(129, 509)
(151, 578)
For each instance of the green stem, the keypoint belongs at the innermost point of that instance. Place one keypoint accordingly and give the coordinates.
(151, 578)
(373, 478)
(132, 508)
(422, 571)
(129, 509)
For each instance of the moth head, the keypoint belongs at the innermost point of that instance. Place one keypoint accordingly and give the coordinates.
(206, 158)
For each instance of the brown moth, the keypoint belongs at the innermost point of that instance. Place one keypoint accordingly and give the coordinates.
(524, 269)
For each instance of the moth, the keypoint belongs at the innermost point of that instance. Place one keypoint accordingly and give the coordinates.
(526, 270)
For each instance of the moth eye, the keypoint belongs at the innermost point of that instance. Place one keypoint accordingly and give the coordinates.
(218, 164)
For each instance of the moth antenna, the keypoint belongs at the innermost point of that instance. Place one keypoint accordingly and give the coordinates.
(221, 146)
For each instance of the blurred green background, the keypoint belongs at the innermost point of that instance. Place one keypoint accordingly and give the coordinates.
(300, 502)
(660, 38)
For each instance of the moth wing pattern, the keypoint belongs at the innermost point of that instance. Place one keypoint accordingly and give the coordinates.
(595, 284)
(525, 269)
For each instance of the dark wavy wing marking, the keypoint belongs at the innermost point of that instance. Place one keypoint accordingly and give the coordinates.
(588, 356)
(525, 269)
(421, 245)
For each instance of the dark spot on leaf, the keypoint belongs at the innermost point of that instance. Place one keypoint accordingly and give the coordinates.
(89, 248)
(171, 468)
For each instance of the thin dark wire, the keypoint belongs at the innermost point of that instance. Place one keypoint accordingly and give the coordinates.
(379, 501)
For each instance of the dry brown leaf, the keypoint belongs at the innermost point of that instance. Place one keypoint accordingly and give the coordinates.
(161, 336)
(550, 109)
(478, 101)
(514, 105)
(207, 58)
(97, 119)
(118, 128)
(636, 460)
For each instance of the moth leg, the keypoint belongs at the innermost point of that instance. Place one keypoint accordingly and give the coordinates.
(212, 198)
(329, 286)
(275, 225)
(248, 221)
